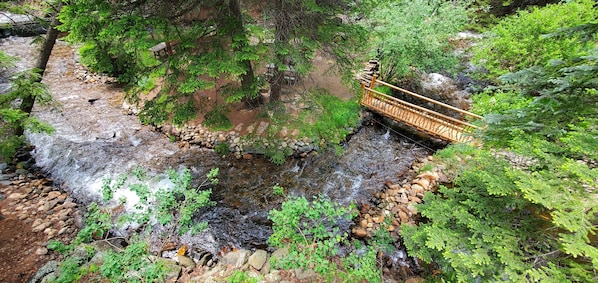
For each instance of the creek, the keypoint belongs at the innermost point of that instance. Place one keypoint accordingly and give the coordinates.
(96, 139)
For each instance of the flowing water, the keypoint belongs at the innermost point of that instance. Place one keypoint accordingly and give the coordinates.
(97, 140)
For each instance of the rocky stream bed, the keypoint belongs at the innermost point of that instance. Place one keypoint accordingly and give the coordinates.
(34, 210)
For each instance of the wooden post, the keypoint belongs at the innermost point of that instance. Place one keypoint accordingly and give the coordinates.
(373, 81)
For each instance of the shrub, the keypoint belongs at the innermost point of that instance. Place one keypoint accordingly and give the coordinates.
(329, 119)
(502, 223)
(414, 35)
(216, 119)
(314, 231)
(519, 41)
(134, 263)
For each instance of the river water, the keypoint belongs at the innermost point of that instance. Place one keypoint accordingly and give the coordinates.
(98, 140)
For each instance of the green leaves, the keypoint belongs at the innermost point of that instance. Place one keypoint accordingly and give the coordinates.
(313, 229)
(414, 35)
(518, 42)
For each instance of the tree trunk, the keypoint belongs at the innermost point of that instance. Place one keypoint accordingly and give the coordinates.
(282, 22)
(251, 98)
(42, 61)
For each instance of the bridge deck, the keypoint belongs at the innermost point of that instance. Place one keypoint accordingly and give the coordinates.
(425, 120)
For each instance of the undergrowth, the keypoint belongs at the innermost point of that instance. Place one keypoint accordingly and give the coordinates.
(314, 232)
(173, 208)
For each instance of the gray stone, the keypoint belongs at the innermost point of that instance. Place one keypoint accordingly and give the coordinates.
(257, 259)
(186, 261)
(280, 253)
(308, 275)
(174, 270)
(209, 275)
(22, 172)
(273, 277)
(236, 259)
(45, 271)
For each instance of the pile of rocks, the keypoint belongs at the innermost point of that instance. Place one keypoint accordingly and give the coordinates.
(256, 265)
(395, 205)
(32, 212)
(38, 204)
(370, 70)
(83, 74)
(239, 146)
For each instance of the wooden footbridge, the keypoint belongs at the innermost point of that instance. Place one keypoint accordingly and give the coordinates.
(421, 118)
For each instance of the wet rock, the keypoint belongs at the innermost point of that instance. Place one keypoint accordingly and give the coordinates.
(258, 259)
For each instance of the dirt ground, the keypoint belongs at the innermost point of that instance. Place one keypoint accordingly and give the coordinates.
(32, 212)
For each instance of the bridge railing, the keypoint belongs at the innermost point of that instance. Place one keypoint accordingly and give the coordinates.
(435, 122)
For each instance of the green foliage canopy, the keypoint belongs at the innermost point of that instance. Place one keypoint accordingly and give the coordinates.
(525, 208)
(414, 35)
(519, 41)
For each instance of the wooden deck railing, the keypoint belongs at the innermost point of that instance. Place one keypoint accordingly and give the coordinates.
(421, 118)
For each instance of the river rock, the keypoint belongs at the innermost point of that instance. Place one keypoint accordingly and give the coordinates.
(41, 251)
(52, 195)
(415, 199)
(17, 196)
(403, 216)
(258, 259)
(43, 274)
(237, 258)
(363, 223)
(417, 188)
(273, 276)
(305, 275)
(40, 227)
(359, 232)
(186, 261)
(280, 253)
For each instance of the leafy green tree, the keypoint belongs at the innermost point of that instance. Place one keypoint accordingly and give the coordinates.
(414, 36)
(531, 216)
(28, 99)
(26, 88)
(520, 41)
(197, 44)
(303, 27)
